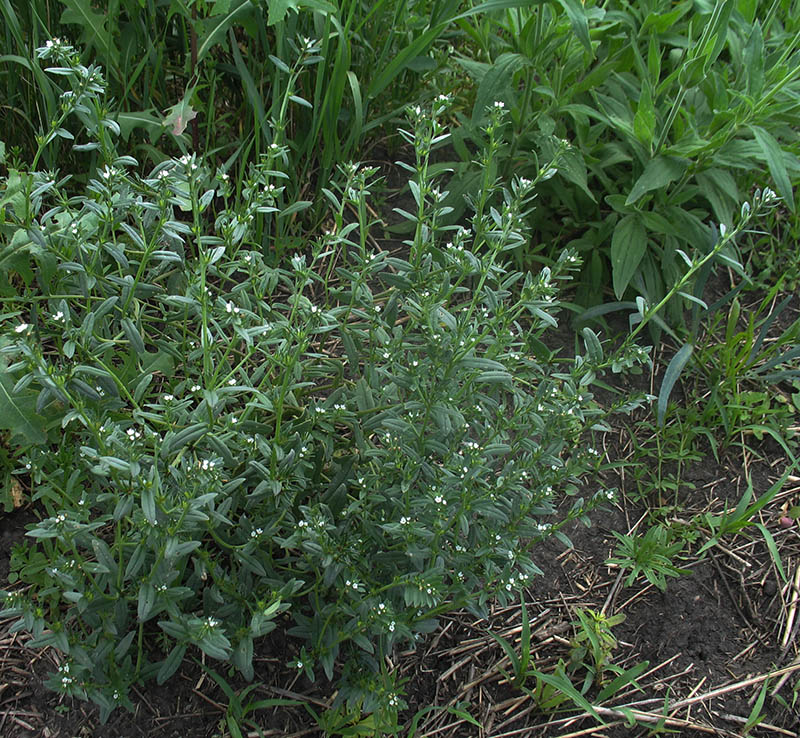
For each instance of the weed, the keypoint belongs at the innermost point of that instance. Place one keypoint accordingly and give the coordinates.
(215, 441)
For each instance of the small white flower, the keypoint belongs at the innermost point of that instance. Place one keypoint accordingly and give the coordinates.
(391, 626)
(21, 328)
(59, 316)
(232, 381)
(168, 398)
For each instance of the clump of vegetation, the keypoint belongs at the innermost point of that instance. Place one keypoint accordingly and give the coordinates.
(359, 440)
(233, 410)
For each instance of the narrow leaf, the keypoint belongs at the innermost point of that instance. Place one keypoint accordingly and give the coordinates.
(773, 156)
(658, 173)
(674, 369)
(628, 246)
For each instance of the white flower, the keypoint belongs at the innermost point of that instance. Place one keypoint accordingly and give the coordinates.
(59, 316)
(391, 626)
(21, 328)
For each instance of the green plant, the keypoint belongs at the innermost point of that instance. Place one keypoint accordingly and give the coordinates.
(595, 642)
(733, 522)
(364, 442)
(668, 109)
(649, 555)
(661, 454)
(239, 706)
(231, 78)
(520, 665)
(738, 372)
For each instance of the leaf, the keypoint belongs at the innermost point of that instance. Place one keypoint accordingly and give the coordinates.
(773, 156)
(250, 88)
(628, 246)
(594, 348)
(671, 375)
(753, 61)
(658, 173)
(181, 114)
(644, 122)
(147, 119)
(95, 33)
(213, 29)
(170, 665)
(17, 414)
(497, 84)
(278, 10)
(576, 12)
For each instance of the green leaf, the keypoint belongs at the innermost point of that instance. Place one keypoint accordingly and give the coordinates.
(576, 12)
(594, 348)
(497, 84)
(658, 173)
(644, 122)
(628, 246)
(671, 375)
(18, 413)
(170, 665)
(95, 33)
(147, 119)
(213, 29)
(753, 61)
(250, 88)
(773, 156)
(278, 10)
